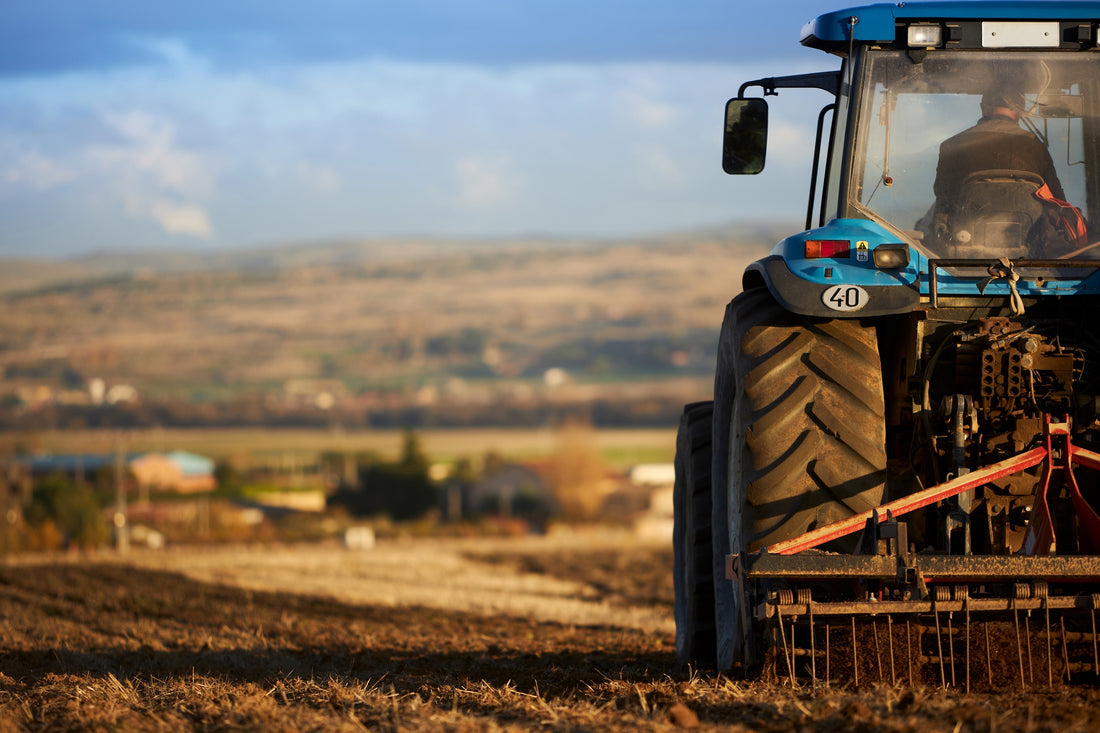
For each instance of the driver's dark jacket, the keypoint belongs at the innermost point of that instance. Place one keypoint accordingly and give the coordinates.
(994, 143)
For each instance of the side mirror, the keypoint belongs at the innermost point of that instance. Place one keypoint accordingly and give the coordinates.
(746, 138)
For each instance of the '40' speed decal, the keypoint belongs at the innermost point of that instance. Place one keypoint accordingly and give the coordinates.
(845, 297)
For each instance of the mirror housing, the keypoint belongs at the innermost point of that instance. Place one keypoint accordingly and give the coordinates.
(746, 137)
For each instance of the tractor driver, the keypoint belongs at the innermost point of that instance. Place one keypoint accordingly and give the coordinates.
(996, 142)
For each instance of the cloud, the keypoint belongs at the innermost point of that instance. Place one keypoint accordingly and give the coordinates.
(155, 178)
(486, 182)
(177, 218)
(647, 102)
(149, 151)
(41, 173)
(373, 147)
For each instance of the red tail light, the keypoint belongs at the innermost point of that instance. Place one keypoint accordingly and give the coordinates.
(818, 248)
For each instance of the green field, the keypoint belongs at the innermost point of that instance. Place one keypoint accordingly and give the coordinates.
(620, 448)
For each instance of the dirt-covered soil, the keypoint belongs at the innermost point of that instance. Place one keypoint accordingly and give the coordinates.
(556, 634)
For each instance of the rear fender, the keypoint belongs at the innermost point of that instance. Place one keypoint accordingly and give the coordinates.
(845, 284)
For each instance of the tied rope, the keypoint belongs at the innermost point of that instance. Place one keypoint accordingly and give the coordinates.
(1004, 270)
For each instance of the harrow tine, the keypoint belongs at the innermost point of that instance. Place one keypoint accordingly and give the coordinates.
(1065, 649)
(939, 647)
(890, 640)
(909, 652)
(951, 646)
(1095, 651)
(878, 652)
(966, 606)
(855, 661)
(989, 658)
(1019, 648)
(813, 645)
(1050, 669)
(783, 636)
(1021, 591)
(1031, 666)
(826, 655)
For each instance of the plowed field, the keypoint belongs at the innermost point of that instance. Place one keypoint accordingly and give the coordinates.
(566, 634)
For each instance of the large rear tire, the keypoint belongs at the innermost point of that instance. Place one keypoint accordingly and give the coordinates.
(799, 439)
(693, 575)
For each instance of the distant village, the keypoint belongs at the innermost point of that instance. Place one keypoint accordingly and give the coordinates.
(152, 499)
(450, 401)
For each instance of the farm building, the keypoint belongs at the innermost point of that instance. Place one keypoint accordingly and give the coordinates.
(180, 471)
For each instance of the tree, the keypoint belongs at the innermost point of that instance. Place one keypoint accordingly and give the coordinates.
(577, 470)
(412, 455)
(71, 508)
(401, 490)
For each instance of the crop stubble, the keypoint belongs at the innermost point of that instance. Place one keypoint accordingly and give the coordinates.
(142, 646)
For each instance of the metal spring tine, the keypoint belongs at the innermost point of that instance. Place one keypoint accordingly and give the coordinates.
(1031, 666)
(939, 647)
(826, 655)
(855, 661)
(951, 646)
(1065, 649)
(1050, 670)
(776, 669)
(989, 658)
(1019, 649)
(1095, 650)
(909, 652)
(813, 646)
(968, 644)
(794, 663)
(783, 636)
(878, 651)
(890, 641)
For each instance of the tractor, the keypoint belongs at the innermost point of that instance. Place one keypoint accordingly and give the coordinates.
(898, 477)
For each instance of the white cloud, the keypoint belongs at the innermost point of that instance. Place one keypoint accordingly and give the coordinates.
(149, 151)
(486, 182)
(177, 218)
(648, 109)
(41, 173)
(375, 146)
(151, 174)
(788, 143)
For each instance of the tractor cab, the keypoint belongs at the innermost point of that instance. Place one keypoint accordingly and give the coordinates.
(958, 135)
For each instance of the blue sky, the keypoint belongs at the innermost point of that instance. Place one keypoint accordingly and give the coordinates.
(128, 124)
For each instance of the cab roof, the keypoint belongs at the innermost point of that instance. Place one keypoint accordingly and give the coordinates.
(878, 23)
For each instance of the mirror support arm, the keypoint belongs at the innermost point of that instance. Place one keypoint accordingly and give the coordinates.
(827, 80)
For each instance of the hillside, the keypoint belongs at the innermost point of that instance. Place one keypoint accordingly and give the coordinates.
(361, 327)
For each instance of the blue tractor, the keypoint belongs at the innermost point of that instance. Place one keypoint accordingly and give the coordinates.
(897, 475)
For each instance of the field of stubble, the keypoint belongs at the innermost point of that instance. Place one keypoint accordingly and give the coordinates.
(562, 633)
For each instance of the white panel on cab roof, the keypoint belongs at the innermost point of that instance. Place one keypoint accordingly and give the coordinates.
(1000, 34)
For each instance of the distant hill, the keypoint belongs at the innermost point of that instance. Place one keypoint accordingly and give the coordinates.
(27, 273)
(468, 329)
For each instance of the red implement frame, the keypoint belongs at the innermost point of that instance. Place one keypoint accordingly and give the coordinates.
(1057, 454)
